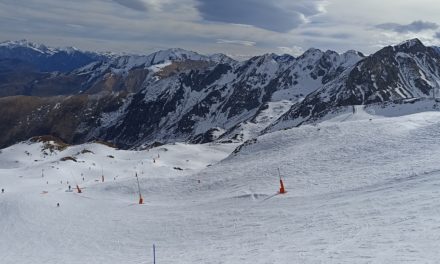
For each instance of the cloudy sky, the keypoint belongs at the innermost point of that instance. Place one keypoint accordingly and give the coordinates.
(239, 28)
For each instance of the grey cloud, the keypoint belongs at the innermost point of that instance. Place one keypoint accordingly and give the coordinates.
(415, 27)
(312, 34)
(278, 16)
(340, 36)
(325, 35)
(294, 50)
(138, 5)
(237, 42)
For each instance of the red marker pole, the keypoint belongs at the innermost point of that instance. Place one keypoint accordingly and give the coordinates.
(141, 200)
(282, 190)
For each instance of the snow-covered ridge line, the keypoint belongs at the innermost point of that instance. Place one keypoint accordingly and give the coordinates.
(47, 50)
(177, 52)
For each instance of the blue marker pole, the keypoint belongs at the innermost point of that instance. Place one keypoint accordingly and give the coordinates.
(154, 254)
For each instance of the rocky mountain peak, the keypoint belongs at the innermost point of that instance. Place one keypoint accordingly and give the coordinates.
(412, 45)
(312, 52)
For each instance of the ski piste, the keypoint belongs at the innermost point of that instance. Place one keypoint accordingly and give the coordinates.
(337, 214)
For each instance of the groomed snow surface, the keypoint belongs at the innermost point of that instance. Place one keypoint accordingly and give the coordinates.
(359, 191)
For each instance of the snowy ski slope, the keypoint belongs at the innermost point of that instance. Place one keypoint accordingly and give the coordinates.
(359, 191)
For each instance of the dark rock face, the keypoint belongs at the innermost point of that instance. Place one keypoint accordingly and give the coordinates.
(142, 118)
(200, 80)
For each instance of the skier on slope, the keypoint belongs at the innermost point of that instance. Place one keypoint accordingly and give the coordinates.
(3, 190)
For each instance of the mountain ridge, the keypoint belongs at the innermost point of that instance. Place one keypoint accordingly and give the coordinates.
(177, 95)
(407, 70)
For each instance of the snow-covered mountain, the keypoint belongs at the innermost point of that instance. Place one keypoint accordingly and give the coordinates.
(407, 70)
(202, 105)
(48, 59)
(177, 95)
(125, 63)
(136, 72)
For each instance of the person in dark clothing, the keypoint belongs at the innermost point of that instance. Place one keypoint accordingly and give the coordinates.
(58, 204)
(3, 190)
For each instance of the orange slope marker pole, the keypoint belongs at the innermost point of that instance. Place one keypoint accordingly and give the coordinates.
(141, 200)
(282, 190)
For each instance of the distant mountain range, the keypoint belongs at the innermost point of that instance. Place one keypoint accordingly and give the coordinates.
(178, 95)
(48, 59)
